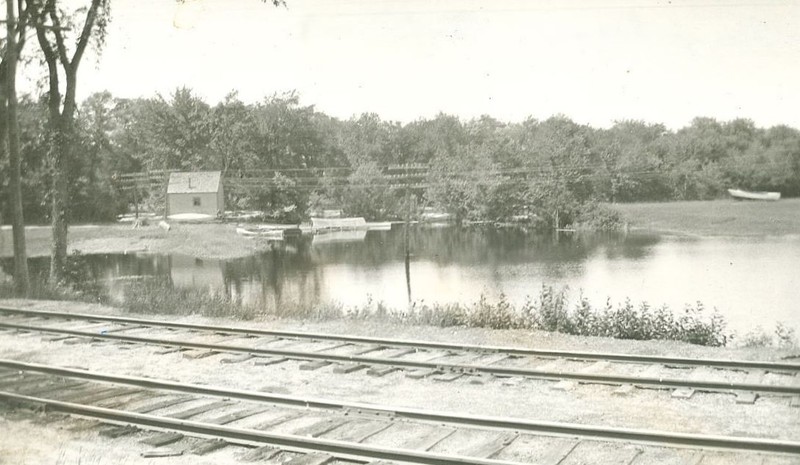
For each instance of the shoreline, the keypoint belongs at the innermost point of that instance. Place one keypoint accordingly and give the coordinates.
(695, 219)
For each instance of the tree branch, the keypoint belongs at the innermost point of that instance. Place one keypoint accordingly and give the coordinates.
(54, 96)
(71, 68)
(86, 33)
(50, 8)
(21, 25)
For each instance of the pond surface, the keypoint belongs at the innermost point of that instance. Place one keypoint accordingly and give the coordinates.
(752, 281)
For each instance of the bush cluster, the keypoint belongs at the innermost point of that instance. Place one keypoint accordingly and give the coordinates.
(551, 311)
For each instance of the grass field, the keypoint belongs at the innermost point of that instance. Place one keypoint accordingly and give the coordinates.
(716, 217)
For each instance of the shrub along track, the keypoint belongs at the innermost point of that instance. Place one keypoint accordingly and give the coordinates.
(746, 379)
(326, 430)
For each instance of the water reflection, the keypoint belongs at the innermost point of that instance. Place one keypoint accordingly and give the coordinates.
(738, 276)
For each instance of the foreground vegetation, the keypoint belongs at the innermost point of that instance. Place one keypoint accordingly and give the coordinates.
(550, 311)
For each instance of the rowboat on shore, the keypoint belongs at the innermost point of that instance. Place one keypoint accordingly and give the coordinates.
(272, 234)
(739, 194)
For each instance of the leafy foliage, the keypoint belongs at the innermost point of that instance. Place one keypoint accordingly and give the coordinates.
(534, 172)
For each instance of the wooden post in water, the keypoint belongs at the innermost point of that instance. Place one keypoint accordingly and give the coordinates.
(136, 197)
(555, 226)
(406, 240)
(166, 196)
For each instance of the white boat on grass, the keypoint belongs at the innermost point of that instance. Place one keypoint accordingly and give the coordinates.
(739, 194)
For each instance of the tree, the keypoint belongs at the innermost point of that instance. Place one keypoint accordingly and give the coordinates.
(460, 181)
(92, 193)
(176, 133)
(9, 134)
(62, 107)
(631, 162)
(561, 164)
(286, 134)
(232, 136)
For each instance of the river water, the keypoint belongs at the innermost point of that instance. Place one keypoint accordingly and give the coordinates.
(751, 281)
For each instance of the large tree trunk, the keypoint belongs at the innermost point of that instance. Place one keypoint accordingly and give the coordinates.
(21, 278)
(62, 119)
(60, 159)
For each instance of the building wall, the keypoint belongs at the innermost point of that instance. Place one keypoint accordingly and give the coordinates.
(184, 203)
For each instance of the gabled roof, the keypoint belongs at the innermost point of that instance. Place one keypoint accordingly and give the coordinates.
(194, 182)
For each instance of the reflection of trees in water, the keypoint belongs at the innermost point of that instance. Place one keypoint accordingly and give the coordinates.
(99, 267)
(480, 246)
(286, 265)
(631, 246)
(293, 270)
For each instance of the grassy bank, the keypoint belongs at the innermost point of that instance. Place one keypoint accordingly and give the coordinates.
(715, 217)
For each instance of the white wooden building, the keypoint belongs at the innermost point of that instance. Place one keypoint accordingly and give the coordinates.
(195, 192)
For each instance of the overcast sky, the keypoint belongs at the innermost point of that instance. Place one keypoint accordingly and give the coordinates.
(595, 61)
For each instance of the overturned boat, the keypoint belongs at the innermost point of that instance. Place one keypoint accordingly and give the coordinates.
(739, 194)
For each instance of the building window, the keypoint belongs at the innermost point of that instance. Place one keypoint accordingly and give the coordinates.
(196, 201)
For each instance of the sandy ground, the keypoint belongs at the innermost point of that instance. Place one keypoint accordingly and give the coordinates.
(30, 438)
(769, 417)
(210, 240)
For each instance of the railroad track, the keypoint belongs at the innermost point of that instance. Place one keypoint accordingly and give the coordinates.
(418, 359)
(200, 419)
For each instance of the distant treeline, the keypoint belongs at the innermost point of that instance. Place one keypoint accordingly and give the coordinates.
(481, 169)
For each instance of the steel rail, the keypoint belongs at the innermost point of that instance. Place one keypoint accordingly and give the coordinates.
(453, 367)
(722, 363)
(654, 437)
(342, 449)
